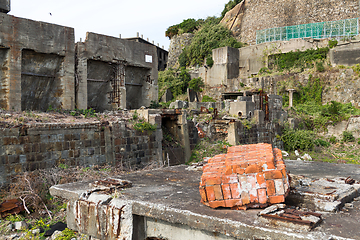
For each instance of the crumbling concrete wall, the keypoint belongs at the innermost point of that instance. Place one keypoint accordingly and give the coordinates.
(259, 14)
(5, 6)
(50, 62)
(231, 64)
(115, 73)
(44, 146)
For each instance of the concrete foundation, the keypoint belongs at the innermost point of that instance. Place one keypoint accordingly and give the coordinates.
(166, 204)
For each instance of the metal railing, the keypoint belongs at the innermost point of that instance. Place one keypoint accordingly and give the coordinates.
(341, 28)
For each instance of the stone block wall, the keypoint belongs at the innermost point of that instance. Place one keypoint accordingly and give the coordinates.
(239, 134)
(260, 14)
(176, 46)
(45, 146)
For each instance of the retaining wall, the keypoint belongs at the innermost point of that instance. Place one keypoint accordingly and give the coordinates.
(27, 148)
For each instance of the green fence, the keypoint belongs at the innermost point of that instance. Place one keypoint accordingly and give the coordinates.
(341, 28)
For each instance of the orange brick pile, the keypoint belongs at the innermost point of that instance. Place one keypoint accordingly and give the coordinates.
(248, 176)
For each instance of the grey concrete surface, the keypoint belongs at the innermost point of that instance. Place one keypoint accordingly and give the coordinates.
(171, 195)
(5, 6)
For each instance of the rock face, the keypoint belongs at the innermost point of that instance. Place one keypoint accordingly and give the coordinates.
(247, 176)
(249, 16)
(177, 44)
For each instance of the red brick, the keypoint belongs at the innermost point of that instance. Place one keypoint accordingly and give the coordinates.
(216, 204)
(245, 197)
(226, 191)
(262, 195)
(235, 190)
(212, 180)
(253, 195)
(253, 169)
(210, 194)
(227, 179)
(276, 174)
(260, 179)
(270, 187)
(203, 194)
(218, 192)
(233, 202)
(276, 199)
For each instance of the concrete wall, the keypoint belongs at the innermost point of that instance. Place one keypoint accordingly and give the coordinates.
(345, 54)
(259, 14)
(51, 44)
(231, 64)
(137, 75)
(5, 6)
(43, 146)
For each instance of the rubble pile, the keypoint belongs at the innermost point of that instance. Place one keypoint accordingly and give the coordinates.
(248, 176)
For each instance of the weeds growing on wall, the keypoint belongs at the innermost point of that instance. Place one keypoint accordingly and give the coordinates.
(297, 59)
(175, 80)
(206, 148)
(210, 36)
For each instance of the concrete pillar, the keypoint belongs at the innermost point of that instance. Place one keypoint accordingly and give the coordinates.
(233, 135)
(184, 134)
(14, 82)
(291, 93)
(81, 72)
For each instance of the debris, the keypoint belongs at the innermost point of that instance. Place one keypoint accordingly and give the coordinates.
(293, 216)
(56, 235)
(247, 176)
(297, 153)
(285, 154)
(12, 206)
(20, 225)
(350, 181)
(349, 205)
(307, 157)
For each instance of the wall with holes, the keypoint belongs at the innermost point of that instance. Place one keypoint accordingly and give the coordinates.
(130, 67)
(45, 146)
(37, 64)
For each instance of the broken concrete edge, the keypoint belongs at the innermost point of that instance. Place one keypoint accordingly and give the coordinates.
(176, 216)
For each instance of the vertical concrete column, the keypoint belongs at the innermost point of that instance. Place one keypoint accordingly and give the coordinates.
(67, 80)
(14, 82)
(81, 78)
(291, 94)
(184, 134)
(233, 136)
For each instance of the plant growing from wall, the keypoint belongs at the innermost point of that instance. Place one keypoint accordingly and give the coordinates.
(298, 59)
(230, 5)
(196, 84)
(210, 36)
(206, 98)
(175, 80)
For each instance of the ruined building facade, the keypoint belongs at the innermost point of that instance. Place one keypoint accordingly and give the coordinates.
(42, 68)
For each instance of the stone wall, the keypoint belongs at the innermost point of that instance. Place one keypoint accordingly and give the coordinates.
(258, 133)
(44, 146)
(177, 44)
(259, 14)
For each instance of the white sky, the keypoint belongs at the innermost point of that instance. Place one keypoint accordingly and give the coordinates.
(114, 17)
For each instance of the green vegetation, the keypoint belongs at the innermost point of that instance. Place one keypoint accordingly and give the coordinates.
(207, 99)
(333, 43)
(144, 126)
(196, 84)
(297, 59)
(187, 26)
(205, 148)
(210, 36)
(175, 80)
(230, 5)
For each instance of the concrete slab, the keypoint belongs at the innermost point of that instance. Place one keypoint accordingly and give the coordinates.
(170, 196)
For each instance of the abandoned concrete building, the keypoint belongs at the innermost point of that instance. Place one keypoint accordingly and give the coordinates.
(39, 68)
